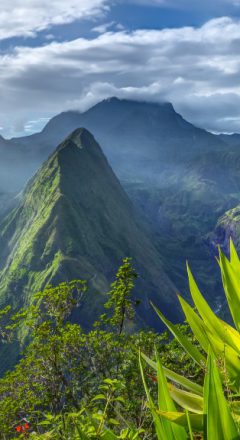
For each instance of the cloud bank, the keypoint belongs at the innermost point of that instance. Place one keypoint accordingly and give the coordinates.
(27, 17)
(197, 69)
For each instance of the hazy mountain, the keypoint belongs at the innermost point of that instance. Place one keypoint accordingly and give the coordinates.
(231, 139)
(75, 221)
(139, 139)
(182, 178)
(17, 164)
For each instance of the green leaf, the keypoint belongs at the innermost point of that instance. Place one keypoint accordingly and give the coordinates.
(189, 425)
(108, 435)
(211, 321)
(99, 397)
(165, 403)
(82, 435)
(181, 419)
(175, 377)
(197, 325)
(231, 284)
(119, 399)
(187, 345)
(112, 421)
(230, 357)
(219, 421)
(191, 402)
(160, 432)
(234, 260)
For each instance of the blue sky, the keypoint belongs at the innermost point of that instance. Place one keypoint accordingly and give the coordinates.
(62, 55)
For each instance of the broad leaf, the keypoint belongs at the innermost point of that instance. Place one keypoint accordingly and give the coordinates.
(190, 401)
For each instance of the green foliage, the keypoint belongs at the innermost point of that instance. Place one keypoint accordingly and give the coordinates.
(75, 220)
(72, 383)
(214, 411)
(120, 300)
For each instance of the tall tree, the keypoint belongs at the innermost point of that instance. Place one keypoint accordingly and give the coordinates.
(120, 299)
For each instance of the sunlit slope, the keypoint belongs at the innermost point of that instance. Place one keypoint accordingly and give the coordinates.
(76, 221)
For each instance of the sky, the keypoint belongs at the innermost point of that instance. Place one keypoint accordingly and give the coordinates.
(63, 55)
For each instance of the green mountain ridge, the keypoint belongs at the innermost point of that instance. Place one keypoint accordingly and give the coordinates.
(76, 221)
(180, 177)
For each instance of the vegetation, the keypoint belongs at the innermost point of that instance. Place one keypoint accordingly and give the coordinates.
(74, 220)
(212, 410)
(110, 384)
(70, 381)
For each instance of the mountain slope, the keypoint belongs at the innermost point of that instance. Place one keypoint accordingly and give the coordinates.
(180, 177)
(17, 164)
(227, 226)
(75, 221)
(230, 139)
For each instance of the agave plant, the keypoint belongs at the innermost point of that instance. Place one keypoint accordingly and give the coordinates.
(214, 409)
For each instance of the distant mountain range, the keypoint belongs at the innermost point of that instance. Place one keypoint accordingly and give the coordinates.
(230, 139)
(180, 178)
(139, 139)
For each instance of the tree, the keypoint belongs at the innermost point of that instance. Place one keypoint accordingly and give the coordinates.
(63, 367)
(120, 295)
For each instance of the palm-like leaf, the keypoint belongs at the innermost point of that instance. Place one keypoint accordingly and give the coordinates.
(209, 409)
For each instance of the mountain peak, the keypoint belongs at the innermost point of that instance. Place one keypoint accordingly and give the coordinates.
(81, 138)
(76, 221)
(116, 100)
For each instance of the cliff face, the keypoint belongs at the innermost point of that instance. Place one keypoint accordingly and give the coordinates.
(227, 226)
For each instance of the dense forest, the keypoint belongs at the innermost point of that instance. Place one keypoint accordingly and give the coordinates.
(116, 383)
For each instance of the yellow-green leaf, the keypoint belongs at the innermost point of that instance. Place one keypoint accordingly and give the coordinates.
(190, 401)
(181, 419)
(231, 284)
(175, 377)
(197, 325)
(211, 321)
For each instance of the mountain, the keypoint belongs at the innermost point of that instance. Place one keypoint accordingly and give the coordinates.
(154, 137)
(227, 226)
(75, 221)
(230, 139)
(181, 177)
(17, 164)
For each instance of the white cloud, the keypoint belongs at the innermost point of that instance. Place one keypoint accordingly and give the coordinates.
(35, 125)
(198, 69)
(26, 17)
(102, 28)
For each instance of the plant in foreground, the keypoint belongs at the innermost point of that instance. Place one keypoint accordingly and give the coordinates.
(212, 411)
